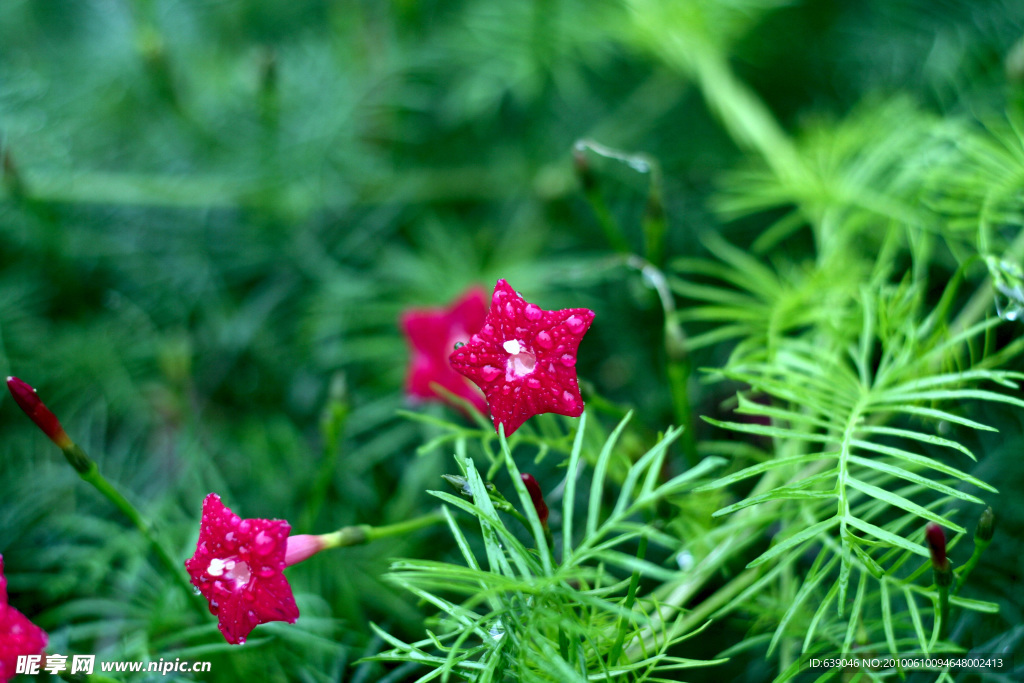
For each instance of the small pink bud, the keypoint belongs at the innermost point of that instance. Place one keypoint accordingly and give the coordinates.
(936, 538)
(27, 399)
(537, 497)
(302, 547)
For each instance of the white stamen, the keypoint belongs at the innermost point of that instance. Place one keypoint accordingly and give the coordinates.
(512, 346)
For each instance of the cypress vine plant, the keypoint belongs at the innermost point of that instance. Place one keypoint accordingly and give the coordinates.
(802, 331)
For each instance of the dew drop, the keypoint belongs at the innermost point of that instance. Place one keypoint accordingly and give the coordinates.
(543, 339)
(264, 543)
(569, 400)
(1008, 280)
(568, 360)
(496, 297)
(489, 372)
(244, 526)
(507, 389)
(510, 310)
(575, 324)
(487, 330)
(533, 383)
(472, 358)
(532, 312)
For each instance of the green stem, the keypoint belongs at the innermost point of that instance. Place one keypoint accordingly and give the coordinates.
(979, 548)
(365, 533)
(943, 611)
(678, 360)
(91, 474)
(608, 224)
(402, 528)
(655, 221)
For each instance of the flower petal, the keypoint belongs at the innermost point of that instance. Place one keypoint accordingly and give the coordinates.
(524, 358)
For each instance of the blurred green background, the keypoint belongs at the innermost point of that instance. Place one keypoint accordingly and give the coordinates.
(212, 214)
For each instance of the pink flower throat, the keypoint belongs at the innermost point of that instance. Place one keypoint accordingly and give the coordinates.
(521, 362)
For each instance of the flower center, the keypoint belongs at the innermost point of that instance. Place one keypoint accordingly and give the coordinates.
(231, 570)
(520, 361)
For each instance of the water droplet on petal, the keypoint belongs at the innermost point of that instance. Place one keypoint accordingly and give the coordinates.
(496, 297)
(507, 389)
(487, 330)
(569, 400)
(568, 360)
(510, 310)
(264, 543)
(244, 526)
(489, 372)
(532, 312)
(543, 340)
(472, 358)
(575, 324)
(533, 383)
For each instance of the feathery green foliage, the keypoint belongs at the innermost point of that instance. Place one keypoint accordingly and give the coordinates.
(799, 226)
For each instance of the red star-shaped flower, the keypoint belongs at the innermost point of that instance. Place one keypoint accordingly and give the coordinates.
(18, 635)
(238, 567)
(432, 333)
(524, 358)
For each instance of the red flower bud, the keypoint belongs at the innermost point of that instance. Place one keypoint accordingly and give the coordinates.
(537, 497)
(936, 538)
(27, 399)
